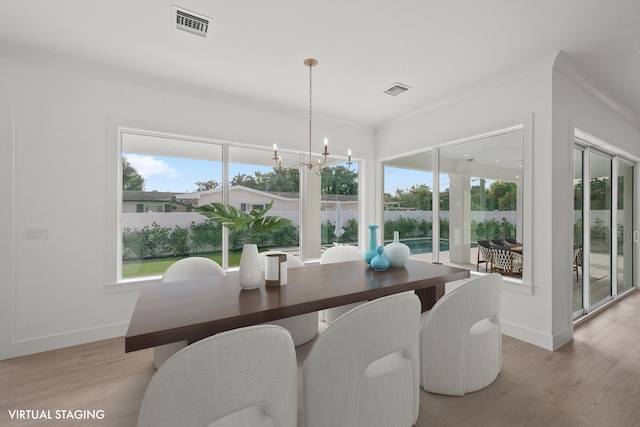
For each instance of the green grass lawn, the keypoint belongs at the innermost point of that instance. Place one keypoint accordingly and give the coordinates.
(157, 267)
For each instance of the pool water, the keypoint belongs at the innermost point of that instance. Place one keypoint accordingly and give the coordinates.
(422, 245)
(425, 245)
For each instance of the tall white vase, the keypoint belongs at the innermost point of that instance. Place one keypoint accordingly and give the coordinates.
(250, 274)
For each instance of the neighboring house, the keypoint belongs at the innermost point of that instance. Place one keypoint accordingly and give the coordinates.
(152, 201)
(246, 199)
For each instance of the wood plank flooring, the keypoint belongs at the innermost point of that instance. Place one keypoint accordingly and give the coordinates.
(592, 381)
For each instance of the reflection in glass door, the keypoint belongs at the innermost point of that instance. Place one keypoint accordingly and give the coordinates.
(600, 228)
(625, 227)
(578, 216)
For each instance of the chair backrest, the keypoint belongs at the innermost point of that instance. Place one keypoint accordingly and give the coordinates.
(484, 243)
(242, 377)
(363, 369)
(341, 254)
(292, 261)
(192, 268)
(502, 258)
(498, 242)
(511, 240)
(487, 253)
(450, 320)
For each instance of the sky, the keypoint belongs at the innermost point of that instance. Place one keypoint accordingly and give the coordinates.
(180, 175)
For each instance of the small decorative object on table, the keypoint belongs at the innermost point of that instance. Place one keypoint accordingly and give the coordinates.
(397, 253)
(380, 262)
(275, 270)
(373, 242)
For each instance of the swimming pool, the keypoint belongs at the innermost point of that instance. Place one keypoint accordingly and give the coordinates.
(423, 245)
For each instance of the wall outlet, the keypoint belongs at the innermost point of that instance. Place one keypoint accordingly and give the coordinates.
(37, 233)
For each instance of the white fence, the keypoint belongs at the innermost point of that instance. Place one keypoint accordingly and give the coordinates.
(184, 219)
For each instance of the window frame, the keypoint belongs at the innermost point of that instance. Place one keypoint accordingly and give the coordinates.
(120, 284)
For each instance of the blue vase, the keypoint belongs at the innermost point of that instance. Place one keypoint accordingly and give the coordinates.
(380, 262)
(373, 243)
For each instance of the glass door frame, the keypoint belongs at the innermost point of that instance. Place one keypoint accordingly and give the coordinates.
(587, 148)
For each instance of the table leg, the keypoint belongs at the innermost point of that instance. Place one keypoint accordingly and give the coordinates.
(429, 296)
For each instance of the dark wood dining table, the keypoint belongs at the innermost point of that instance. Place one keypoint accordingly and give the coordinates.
(191, 310)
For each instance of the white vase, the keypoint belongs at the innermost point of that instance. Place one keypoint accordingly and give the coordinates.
(250, 274)
(397, 253)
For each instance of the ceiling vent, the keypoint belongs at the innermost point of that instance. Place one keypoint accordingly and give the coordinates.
(191, 22)
(396, 89)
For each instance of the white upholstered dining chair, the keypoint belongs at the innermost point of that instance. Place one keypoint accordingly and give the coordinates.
(304, 327)
(460, 338)
(242, 377)
(185, 269)
(336, 254)
(363, 370)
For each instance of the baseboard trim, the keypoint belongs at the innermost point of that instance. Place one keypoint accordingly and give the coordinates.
(528, 335)
(53, 342)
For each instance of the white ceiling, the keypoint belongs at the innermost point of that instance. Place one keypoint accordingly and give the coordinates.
(255, 48)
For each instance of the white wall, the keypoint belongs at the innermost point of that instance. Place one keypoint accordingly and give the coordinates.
(579, 102)
(550, 103)
(58, 123)
(522, 96)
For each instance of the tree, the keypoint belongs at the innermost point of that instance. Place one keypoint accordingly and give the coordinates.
(287, 180)
(131, 179)
(244, 180)
(207, 185)
(502, 196)
(339, 180)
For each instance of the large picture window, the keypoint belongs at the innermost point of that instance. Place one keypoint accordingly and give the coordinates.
(165, 179)
(478, 187)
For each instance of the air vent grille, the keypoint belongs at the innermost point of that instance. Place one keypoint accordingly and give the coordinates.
(396, 89)
(188, 21)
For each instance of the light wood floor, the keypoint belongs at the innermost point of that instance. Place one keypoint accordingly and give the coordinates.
(592, 381)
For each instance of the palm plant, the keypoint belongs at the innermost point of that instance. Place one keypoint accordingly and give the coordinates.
(251, 224)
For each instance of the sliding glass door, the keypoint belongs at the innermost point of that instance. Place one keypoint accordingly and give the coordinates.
(600, 228)
(603, 228)
(624, 229)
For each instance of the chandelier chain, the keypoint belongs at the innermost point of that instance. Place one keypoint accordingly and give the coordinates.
(309, 164)
(310, 107)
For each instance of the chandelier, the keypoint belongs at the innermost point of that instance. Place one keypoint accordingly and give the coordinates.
(311, 165)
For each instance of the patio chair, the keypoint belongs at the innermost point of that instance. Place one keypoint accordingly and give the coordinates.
(577, 260)
(484, 255)
(506, 261)
(498, 242)
(512, 241)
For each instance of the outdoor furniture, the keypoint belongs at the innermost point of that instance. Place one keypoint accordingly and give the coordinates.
(243, 377)
(339, 254)
(484, 254)
(460, 341)
(188, 268)
(364, 369)
(577, 260)
(498, 242)
(304, 327)
(506, 261)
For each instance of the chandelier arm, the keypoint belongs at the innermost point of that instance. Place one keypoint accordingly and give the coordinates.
(310, 164)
